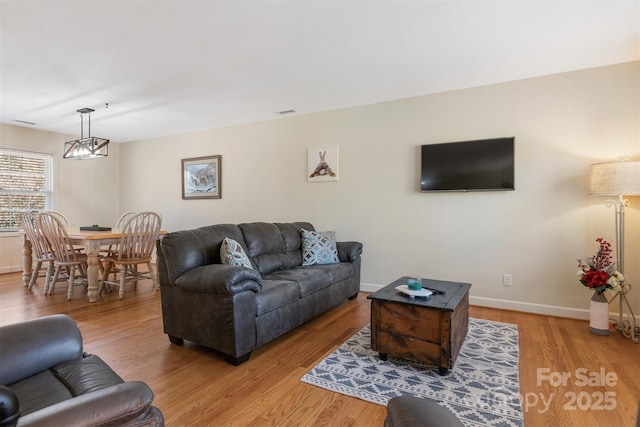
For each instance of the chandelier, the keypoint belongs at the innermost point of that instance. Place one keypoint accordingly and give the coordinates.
(86, 148)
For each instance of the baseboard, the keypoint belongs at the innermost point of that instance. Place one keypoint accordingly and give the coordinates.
(370, 287)
(10, 269)
(526, 307)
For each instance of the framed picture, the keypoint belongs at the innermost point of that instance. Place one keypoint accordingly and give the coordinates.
(201, 178)
(322, 164)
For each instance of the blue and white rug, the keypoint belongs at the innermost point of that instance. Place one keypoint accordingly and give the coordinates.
(482, 388)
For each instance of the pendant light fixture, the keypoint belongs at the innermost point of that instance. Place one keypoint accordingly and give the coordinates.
(86, 148)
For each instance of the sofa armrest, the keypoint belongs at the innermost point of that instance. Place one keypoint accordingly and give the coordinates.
(221, 279)
(9, 407)
(33, 346)
(121, 404)
(349, 251)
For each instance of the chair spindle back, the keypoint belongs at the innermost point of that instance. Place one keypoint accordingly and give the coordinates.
(29, 223)
(139, 235)
(57, 237)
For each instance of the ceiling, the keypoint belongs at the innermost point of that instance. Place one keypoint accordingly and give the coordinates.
(169, 67)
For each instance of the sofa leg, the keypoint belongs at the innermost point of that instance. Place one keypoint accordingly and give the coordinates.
(176, 340)
(235, 361)
(352, 297)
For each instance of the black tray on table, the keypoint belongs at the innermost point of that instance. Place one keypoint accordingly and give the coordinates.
(94, 228)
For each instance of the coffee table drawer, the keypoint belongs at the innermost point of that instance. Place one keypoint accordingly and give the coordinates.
(410, 321)
(410, 348)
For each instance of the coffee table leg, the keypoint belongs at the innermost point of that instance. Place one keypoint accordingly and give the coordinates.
(383, 356)
(443, 371)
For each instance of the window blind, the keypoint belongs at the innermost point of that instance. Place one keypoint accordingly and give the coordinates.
(25, 185)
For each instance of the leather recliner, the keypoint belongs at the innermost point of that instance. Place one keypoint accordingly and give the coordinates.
(47, 380)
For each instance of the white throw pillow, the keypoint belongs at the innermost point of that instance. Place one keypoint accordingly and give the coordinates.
(232, 253)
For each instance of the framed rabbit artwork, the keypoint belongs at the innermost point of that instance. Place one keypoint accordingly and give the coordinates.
(322, 164)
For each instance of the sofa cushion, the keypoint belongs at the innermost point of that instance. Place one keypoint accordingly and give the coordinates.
(308, 280)
(275, 294)
(265, 245)
(231, 253)
(318, 248)
(85, 375)
(291, 235)
(339, 271)
(262, 238)
(64, 381)
(40, 391)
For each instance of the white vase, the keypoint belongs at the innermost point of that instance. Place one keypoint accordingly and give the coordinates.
(599, 315)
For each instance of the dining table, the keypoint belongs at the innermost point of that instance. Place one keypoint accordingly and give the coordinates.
(92, 241)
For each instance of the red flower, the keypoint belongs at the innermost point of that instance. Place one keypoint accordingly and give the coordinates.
(602, 260)
(595, 272)
(595, 278)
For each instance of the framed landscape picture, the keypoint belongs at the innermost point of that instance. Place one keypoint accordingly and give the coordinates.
(201, 178)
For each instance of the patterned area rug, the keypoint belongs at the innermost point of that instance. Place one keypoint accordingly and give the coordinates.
(482, 389)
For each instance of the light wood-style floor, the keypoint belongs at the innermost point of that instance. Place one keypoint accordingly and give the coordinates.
(195, 387)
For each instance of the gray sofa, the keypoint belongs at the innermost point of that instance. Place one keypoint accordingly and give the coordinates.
(47, 380)
(235, 309)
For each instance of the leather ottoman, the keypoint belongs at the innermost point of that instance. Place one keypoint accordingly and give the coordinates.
(409, 411)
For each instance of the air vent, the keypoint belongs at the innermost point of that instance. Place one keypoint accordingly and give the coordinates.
(25, 122)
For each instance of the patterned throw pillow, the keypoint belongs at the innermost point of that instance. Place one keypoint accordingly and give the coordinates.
(318, 248)
(232, 253)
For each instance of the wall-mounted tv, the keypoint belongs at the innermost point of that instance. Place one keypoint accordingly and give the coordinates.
(479, 165)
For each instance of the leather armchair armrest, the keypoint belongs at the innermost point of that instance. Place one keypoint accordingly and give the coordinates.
(9, 407)
(111, 406)
(349, 251)
(221, 279)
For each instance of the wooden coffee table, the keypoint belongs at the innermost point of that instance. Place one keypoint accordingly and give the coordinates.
(426, 330)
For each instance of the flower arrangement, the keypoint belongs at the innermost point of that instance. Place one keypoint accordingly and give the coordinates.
(599, 273)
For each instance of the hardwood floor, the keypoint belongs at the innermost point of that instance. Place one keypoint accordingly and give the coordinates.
(194, 386)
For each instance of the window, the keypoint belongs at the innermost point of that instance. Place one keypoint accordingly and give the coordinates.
(25, 185)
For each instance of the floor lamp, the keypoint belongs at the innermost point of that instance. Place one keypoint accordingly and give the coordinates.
(619, 179)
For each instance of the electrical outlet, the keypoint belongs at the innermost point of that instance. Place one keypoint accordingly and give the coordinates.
(507, 280)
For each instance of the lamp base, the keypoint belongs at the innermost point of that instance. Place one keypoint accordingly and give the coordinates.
(627, 324)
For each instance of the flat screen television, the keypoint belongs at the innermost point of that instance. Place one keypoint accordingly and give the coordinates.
(479, 165)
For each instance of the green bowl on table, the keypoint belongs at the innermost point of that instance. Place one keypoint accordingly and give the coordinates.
(414, 284)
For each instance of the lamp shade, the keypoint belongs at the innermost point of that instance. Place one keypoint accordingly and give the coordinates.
(615, 178)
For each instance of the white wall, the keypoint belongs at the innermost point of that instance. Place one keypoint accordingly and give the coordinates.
(562, 124)
(85, 191)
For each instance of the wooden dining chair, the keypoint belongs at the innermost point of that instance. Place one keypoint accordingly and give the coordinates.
(124, 218)
(40, 250)
(65, 255)
(62, 217)
(65, 222)
(136, 245)
(110, 251)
